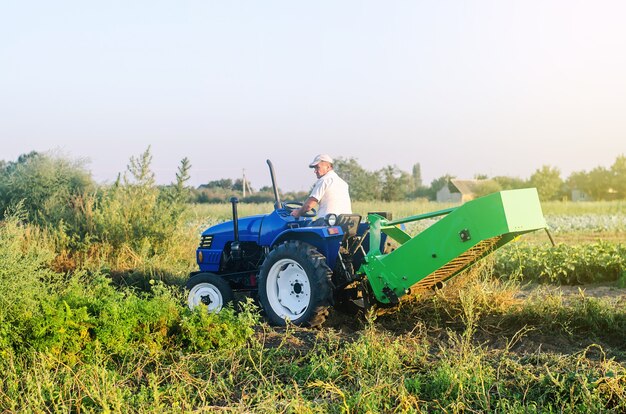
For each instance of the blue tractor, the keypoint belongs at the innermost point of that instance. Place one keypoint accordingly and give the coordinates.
(295, 270)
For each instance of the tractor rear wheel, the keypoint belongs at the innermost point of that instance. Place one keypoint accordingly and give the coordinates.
(209, 290)
(294, 285)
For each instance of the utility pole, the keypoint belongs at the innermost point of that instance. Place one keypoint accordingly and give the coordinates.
(245, 184)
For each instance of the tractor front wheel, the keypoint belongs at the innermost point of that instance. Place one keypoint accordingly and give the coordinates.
(294, 285)
(210, 291)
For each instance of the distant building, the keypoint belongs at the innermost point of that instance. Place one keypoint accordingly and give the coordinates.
(460, 191)
(449, 194)
(578, 195)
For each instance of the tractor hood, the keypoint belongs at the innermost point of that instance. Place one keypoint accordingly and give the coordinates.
(249, 228)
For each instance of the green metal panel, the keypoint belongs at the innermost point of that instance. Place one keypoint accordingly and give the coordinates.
(519, 214)
(459, 239)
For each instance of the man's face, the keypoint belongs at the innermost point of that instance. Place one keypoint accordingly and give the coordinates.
(321, 169)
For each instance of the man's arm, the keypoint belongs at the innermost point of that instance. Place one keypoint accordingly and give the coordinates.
(307, 206)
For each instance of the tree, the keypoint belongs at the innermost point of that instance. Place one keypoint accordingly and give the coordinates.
(600, 182)
(511, 183)
(437, 184)
(418, 189)
(396, 184)
(579, 180)
(417, 176)
(364, 185)
(238, 185)
(618, 169)
(548, 182)
(47, 185)
(225, 183)
(486, 187)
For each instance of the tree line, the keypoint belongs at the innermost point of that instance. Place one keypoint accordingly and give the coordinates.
(52, 188)
(393, 184)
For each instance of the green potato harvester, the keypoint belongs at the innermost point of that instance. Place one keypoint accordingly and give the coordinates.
(297, 270)
(463, 236)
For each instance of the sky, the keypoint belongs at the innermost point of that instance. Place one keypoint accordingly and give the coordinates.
(460, 87)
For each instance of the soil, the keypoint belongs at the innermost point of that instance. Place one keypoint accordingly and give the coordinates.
(606, 291)
(490, 332)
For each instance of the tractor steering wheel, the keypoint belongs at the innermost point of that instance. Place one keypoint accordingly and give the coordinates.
(294, 205)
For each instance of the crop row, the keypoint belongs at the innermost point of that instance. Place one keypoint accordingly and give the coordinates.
(586, 222)
(564, 264)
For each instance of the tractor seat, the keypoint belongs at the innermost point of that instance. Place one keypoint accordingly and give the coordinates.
(349, 223)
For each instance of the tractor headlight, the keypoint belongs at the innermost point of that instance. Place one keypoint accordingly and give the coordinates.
(331, 219)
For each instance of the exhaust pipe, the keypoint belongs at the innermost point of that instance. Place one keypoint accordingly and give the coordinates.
(235, 246)
(234, 201)
(277, 204)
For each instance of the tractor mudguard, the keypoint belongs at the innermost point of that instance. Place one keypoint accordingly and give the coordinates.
(326, 240)
(277, 222)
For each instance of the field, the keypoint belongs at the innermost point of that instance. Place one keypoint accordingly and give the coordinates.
(531, 329)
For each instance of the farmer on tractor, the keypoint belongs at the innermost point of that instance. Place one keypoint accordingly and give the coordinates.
(330, 192)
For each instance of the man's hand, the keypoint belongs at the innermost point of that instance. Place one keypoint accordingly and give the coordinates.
(308, 205)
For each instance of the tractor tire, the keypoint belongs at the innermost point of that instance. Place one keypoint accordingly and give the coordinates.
(209, 290)
(295, 285)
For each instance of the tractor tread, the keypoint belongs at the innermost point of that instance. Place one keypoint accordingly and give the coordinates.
(321, 281)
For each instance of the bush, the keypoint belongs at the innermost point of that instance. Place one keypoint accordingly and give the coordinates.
(91, 315)
(130, 225)
(46, 185)
(25, 280)
(133, 213)
(87, 317)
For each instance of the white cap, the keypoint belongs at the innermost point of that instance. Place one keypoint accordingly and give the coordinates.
(320, 158)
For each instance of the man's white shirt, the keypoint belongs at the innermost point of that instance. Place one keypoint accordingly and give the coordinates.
(332, 194)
